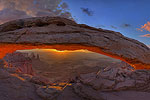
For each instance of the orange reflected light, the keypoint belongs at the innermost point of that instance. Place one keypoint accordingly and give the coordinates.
(64, 48)
(63, 51)
(17, 76)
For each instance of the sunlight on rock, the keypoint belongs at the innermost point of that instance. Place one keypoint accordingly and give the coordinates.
(65, 64)
(18, 77)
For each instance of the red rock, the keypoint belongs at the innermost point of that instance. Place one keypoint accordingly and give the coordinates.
(55, 30)
(19, 61)
(40, 80)
(68, 35)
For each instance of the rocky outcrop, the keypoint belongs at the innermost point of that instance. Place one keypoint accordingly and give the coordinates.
(118, 79)
(14, 87)
(112, 83)
(117, 82)
(20, 62)
(61, 33)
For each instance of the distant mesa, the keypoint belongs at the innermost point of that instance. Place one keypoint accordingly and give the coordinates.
(64, 34)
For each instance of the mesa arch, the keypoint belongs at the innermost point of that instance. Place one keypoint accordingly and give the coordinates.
(64, 34)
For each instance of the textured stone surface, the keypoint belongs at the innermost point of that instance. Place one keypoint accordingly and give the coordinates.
(112, 83)
(22, 63)
(13, 87)
(19, 61)
(48, 93)
(119, 82)
(118, 79)
(56, 30)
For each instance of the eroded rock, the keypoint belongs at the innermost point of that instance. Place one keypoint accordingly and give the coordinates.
(13, 87)
(19, 62)
(112, 83)
(118, 79)
(48, 93)
(104, 85)
(55, 30)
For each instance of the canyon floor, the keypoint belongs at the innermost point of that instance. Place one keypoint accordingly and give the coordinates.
(18, 81)
(60, 66)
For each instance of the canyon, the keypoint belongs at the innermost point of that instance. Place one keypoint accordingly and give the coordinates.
(129, 79)
(115, 82)
(64, 34)
(60, 66)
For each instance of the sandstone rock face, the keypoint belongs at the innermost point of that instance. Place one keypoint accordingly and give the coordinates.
(20, 62)
(112, 83)
(118, 79)
(55, 30)
(12, 87)
(48, 93)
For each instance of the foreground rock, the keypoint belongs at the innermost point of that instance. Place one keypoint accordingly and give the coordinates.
(19, 61)
(112, 83)
(55, 30)
(118, 79)
(13, 87)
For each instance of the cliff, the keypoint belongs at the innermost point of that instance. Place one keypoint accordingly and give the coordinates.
(64, 34)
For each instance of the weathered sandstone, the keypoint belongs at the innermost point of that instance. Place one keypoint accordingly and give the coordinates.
(61, 33)
(20, 62)
(112, 83)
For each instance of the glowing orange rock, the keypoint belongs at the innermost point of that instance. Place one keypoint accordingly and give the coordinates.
(63, 34)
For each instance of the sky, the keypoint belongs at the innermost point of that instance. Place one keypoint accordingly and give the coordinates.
(130, 17)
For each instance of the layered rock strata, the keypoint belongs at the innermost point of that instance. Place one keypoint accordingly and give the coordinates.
(46, 32)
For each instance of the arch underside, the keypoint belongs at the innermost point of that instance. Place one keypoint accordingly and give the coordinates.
(10, 48)
(64, 34)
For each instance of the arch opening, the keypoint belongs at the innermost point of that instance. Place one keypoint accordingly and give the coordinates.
(90, 59)
(9, 48)
(61, 66)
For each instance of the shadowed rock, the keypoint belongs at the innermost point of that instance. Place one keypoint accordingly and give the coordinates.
(19, 61)
(112, 83)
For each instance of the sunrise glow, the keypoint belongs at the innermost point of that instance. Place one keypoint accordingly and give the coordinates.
(65, 51)
(74, 50)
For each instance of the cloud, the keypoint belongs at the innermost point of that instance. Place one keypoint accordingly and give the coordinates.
(100, 26)
(10, 14)
(87, 11)
(14, 9)
(146, 35)
(145, 27)
(139, 29)
(126, 25)
(64, 6)
(114, 27)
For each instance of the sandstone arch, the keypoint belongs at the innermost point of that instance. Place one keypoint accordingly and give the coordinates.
(64, 34)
